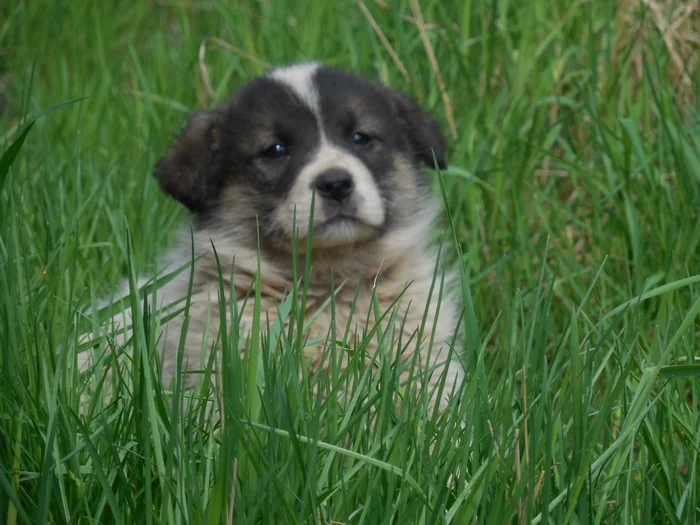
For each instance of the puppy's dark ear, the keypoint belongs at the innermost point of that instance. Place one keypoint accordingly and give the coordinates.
(187, 171)
(423, 132)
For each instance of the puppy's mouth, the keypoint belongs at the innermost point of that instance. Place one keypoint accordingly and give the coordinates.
(347, 212)
(339, 217)
(342, 227)
(343, 217)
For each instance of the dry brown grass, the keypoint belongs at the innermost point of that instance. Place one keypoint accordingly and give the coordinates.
(677, 22)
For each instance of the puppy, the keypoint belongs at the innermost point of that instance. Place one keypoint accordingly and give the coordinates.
(249, 172)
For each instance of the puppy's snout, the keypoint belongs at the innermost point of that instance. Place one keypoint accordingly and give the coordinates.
(334, 184)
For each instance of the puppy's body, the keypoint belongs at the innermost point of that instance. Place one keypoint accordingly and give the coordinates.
(249, 171)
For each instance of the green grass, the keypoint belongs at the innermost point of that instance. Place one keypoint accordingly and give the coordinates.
(574, 195)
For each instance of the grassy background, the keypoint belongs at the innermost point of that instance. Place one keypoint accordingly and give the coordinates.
(574, 190)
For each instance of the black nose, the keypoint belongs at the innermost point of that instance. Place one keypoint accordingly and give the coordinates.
(335, 184)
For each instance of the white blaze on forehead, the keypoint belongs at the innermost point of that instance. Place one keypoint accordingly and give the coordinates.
(299, 79)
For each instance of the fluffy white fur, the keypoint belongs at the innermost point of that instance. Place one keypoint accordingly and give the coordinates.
(408, 273)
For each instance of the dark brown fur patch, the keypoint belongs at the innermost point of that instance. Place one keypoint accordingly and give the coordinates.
(187, 172)
(423, 132)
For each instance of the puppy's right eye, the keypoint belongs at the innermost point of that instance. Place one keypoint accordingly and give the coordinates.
(276, 151)
(360, 138)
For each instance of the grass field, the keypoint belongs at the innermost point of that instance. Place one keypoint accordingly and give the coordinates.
(574, 198)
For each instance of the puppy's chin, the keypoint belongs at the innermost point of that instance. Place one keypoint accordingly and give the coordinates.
(341, 231)
(333, 226)
(335, 233)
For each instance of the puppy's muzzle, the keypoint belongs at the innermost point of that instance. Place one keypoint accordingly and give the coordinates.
(334, 185)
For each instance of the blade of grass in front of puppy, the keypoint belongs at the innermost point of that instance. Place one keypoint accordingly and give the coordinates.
(301, 303)
(332, 402)
(299, 351)
(295, 265)
(150, 427)
(229, 391)
(252, 366)
(471, 325)
(176, 401)
(253, 400)
(140, 378)
(307, 275)
(431, 343)
(166, 312)
(295, 359)
(295, 349)
(109, 309)
(322, 307)
(390, 368)
(382, 354)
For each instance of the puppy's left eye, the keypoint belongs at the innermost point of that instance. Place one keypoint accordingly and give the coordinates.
(360, 138)
(276, 151)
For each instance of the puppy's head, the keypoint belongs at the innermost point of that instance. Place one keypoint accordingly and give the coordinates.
(257, 161)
